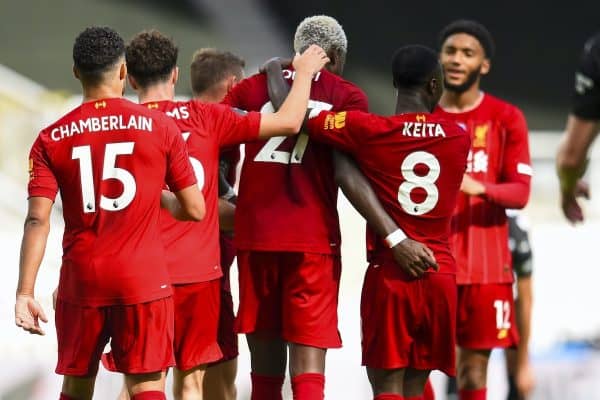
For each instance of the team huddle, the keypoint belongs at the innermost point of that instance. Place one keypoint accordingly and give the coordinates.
(152, 222)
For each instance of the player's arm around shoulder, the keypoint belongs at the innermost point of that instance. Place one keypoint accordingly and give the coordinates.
(288, 119)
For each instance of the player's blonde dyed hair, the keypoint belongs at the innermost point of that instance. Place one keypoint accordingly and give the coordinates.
(322, 30)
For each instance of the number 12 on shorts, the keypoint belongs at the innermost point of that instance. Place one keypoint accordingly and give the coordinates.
(502, 314)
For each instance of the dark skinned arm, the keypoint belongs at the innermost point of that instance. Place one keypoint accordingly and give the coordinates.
(412, 256)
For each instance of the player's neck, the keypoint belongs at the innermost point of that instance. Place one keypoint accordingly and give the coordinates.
(158, 92)
(209, 98)
(458, 102)
(410, 102)
(99, 92)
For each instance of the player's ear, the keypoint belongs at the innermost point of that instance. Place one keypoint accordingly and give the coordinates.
(486, 65)
(175, 75)
(123, 71)
(230, 82)
(76, 73)
(132, 82)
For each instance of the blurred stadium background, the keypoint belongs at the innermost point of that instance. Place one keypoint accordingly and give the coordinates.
(538, 46)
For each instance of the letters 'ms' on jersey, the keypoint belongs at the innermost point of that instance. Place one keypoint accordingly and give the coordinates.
(499, 158)
(287, 196)
(415, 164)
(110, 160)
(193, 247)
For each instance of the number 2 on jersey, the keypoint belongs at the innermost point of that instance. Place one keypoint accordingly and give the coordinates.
(413, 181)
(109, 171)
(269, 152)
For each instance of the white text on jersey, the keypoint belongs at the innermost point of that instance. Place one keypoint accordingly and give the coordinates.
(423, 129)
(287, 74)
(179, 113)
(104, 123)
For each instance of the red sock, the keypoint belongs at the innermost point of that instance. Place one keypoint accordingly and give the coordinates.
(308, 386)
(428, 391)
(389, 396)
(149, 395)
(65, 397)
(266, 387)
(478, 394)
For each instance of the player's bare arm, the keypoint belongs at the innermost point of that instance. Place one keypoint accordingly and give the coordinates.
(226, 215)
(571, 163)
(413, 257)
(28, 311)
(184, 205)
(288, 119)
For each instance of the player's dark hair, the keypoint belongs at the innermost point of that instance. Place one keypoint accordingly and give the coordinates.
(473, 28)
(151, 57)
(211, 66)
(413, 66)
(96, 50)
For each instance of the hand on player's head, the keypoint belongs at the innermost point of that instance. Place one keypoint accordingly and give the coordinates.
(414, 258)
(311, 61)
(28, 314)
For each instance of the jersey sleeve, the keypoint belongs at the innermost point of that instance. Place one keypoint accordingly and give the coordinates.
(42, 182)
(238, 95)
(180, 174)
(345, 130)
(515, 179)
(233, 128)
(586, 94)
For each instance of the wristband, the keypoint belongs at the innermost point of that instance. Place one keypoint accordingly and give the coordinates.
(395, 237)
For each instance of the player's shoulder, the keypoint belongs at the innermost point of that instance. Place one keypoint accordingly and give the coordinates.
(503, 108)
(340, 82)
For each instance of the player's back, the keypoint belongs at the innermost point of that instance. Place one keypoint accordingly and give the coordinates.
(109, 159)
(417, 168)
(204, 128)
(415, 164)
(288, 196)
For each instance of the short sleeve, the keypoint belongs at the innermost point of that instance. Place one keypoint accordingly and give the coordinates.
(586, 94)
(233, 128)
(42, 182)
(516, 165)
(237, 96)
(180, 173)
(346, 130)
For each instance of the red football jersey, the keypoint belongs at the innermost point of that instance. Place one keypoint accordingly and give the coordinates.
(415, 164)
(287, 198)
(193, 253)
(499, 158)
(110, 160)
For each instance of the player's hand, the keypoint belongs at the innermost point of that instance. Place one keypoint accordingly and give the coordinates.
(311, 61)
(282, 62)
(525, 380)
(54, 297)
(570, 206)
(28, 314)
(471, 186)
(414, 258)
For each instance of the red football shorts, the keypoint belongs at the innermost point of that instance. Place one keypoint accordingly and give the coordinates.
(408, 323)
(486, 317)
(141, 337)
(197, 307)
(290, 295)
